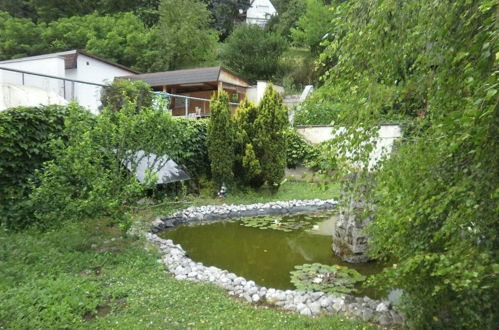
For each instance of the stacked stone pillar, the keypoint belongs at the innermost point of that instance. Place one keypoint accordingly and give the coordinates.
(350, 242)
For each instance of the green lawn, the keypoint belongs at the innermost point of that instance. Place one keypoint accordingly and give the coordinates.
(289, 190)
(87, 276)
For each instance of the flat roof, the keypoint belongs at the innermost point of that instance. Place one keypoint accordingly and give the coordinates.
(187, 76)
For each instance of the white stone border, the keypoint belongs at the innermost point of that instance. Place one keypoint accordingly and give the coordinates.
(305, 303)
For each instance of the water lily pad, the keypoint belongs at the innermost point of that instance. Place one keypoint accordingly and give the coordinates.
(331, 279)
(285, 224)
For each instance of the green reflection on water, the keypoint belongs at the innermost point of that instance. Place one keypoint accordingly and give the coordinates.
(264, 256)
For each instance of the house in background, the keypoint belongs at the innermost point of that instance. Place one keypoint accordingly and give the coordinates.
(198, 85)
(70, 65)
(260, 12)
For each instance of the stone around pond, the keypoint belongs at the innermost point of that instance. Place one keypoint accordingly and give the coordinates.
(313, 303)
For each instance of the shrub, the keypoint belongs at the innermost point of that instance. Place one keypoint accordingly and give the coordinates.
(253, 52)
(220, 139)
(247, 163)
(298, 151)
(192, 149)
(270, 139)
(25, 143)
(87, 177)
(122, 91)
(316, 111)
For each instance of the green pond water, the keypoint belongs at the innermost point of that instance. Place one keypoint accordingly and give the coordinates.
(266, 256)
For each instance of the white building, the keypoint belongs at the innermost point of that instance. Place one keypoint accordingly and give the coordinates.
(260, 12)
(85, 68)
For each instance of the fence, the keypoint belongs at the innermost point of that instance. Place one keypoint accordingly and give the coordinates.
(185, 105)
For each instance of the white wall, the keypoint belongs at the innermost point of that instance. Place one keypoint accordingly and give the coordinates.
(51, 66)
(255, 93)
(92, 70)
(260, 12)
(384, 145)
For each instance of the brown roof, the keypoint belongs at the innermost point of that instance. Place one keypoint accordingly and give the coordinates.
(70, 57)
(187, 76)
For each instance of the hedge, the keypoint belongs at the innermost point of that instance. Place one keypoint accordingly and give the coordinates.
(26, 134)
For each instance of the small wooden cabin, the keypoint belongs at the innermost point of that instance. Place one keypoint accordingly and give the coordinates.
(199, 83)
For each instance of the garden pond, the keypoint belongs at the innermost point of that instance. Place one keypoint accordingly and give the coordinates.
(267, 249)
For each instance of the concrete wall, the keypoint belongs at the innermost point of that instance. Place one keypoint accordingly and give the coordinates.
(387, 136)
(14, 95)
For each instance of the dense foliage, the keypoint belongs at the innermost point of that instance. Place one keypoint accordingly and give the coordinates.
(192, 151)
(93, 172)
(299, 151)
(181, 36)
(122, 38)
(25, 143)
(261, 140)
(289, 13)
(312, 27)
(252, 52)
(433, 63)
(220, 139)
(226, 14)
(185, 33)
(122, 91)
(50, 10)
(247, 163)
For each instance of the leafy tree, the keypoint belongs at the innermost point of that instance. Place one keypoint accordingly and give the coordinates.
(432, 65)
(252, 52)
(51, 10)
(220, 139)
(288, 15)
(186, 37)
(18, 8)
(313, 25)
(122, 38)
(20, 37)
(87, 178)
(226, 14)
(270, 140)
